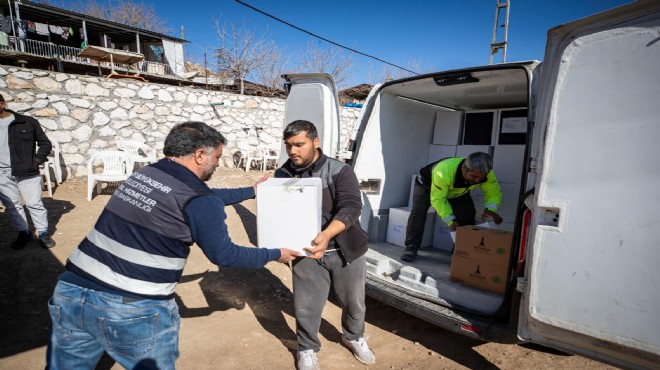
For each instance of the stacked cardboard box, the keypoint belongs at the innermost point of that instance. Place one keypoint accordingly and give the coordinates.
(481, 258)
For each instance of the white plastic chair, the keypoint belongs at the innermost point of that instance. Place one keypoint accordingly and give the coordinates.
(271, 153)
(45, 172)
(240, 156)
(138, 152)
(254, 155)
(54, 161)
(115, 169)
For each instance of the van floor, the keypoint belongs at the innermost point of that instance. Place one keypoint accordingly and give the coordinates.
(428, 275)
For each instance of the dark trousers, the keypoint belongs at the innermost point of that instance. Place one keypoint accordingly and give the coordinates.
(462, 206)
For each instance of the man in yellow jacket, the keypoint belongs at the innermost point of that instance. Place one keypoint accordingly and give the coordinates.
(446, 186)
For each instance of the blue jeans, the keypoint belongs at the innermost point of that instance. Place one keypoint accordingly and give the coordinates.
(141, 334)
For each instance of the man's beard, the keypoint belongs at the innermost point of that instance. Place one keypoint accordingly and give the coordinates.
(206, 175)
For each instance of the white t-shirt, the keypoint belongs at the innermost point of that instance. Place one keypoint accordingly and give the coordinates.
(5, 159)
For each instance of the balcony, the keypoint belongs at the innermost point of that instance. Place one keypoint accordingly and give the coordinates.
(68, 54)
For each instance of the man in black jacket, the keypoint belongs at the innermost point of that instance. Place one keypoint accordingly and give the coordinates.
(337, 259)
(23, 147)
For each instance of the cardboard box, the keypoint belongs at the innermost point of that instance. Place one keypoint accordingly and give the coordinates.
(398, 221)
(288, 213)
(478, 274)
(483, 244)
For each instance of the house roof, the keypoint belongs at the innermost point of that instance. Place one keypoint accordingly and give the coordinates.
(43, 13)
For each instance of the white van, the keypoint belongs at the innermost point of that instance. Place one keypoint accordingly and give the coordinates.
(575, 144)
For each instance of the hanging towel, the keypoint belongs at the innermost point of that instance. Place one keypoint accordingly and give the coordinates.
(4, 39)
(42, 29)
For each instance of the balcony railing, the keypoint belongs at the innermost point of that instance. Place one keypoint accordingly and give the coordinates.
(70, 54)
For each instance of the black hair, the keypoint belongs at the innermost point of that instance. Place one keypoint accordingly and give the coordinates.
(185, 138)
(296, 127)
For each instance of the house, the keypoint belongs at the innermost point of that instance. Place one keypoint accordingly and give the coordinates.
(35, 35)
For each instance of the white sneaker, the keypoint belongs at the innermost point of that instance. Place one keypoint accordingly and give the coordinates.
(307, 360)
(360, 350)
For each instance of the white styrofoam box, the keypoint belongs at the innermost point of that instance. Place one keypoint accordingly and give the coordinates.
(447, 130)
(398, 221)
(437, 152)
(466, 150)
(508, 162)
(507, 209)
(441, 236)
(288, 213)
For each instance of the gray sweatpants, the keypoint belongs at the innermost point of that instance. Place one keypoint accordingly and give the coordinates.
(29, 188)
(312, 280)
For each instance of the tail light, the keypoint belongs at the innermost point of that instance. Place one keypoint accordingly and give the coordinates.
(520, 266)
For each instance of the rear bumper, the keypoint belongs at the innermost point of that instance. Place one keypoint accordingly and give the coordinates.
(441, 316)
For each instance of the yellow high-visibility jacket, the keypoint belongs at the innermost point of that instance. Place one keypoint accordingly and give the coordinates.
(443, 187)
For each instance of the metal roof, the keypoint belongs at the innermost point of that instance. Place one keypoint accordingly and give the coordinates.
(43, 13)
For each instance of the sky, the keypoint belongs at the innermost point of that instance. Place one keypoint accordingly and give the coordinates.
(434, 35)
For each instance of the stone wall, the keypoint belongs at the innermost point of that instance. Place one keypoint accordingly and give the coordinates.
(87, 113)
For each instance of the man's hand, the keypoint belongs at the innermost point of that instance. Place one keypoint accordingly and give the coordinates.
(259, 182)
(287, 255)
(321, 245)
(453, 226)
(490, 214)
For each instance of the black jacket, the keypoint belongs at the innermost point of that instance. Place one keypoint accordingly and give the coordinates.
(24, 136)
(342, 201)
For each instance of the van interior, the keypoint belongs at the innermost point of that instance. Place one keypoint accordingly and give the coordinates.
(417, 121)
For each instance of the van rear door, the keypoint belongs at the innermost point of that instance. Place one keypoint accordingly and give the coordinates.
(592, 281)
(313, 97)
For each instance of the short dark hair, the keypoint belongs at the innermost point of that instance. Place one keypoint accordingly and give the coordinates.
(185, 138)
(296, 127)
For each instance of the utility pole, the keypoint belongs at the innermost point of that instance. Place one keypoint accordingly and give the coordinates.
(497, 43)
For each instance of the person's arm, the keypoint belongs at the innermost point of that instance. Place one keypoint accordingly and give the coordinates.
(237, 195)
(348, 202)
(44, 146)
(492, 197)
(439, 189)
(206, 219)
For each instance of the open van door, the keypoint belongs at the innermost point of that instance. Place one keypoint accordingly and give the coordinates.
(592, 282)
(313, 97)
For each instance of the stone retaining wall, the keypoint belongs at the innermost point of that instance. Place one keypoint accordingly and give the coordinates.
(87, 113)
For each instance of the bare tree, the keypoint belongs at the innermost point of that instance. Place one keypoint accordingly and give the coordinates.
(241, 51)
(269, 73)
(327, 59)
(128, 12)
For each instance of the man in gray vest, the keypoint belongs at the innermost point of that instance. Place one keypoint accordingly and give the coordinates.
(117, 293)
(337, 260)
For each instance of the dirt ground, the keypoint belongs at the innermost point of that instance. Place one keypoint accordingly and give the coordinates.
(233, 318)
